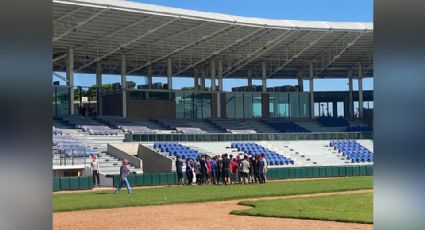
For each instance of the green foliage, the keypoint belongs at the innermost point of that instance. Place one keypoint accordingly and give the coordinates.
(188, 194)
(356, 208)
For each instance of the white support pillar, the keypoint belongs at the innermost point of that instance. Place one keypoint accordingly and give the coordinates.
(99, 88)
(311, 75)
(169, 74)
(360, 79)
(220, 75)
(149, 77)
(70, 80)
(350, 95)
(212, 75)
(124, 86)
(300, 80)
(264, 77)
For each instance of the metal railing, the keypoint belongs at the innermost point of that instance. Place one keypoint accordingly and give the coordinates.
(248, 137)
(64, 161)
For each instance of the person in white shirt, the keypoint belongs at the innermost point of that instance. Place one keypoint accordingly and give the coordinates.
(95, 169)
(265, 166)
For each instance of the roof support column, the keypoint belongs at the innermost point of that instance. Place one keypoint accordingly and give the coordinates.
(360, 79)
(249, 80)
(124, 86)
(99, 89)
(149, 77)
(264, 77)
(220, 75)
(212, 75)
(169, 74)
(311, 76)
(196, 79)
(70, 80)
(350, 95)
(300, 81)
(203, 80)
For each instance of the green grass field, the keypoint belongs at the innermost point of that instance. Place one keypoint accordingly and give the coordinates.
(356, 208)
(189, 194)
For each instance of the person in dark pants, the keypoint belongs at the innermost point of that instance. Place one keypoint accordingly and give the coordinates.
(255, 164)
(123, 175)
(197, 167)
(179, 170)
(204, 170)
(226, 169)
(261, 170)
(189, 171)
(95, 169)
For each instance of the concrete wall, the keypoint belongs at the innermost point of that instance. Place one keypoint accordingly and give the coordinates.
(154, 162)
(127, 151)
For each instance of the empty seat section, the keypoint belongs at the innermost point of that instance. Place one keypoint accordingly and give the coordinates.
(333, 121)
(176, 149)
(272, 157)
(352, 150)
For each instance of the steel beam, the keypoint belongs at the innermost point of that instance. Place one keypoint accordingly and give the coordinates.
(260, 51)
(299, 53)
(197, 42)
(129, 43)
(338, 55)
(80, 24)
(218, 52)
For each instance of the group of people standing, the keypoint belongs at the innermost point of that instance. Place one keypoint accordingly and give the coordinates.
(224, 169)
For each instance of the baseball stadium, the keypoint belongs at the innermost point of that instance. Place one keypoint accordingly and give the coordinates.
(192, 148)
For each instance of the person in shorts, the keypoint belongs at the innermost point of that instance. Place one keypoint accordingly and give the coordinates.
(245, 166)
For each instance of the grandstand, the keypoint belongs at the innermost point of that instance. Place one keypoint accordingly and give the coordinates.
(294, 126)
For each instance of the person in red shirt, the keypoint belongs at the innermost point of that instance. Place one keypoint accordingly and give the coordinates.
(234, 166)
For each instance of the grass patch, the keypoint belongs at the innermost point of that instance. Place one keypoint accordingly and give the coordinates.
(354, 208)
(187, 194)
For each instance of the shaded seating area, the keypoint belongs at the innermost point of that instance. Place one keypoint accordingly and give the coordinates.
(352, 150)
(67, 146)
(333, 121)
(272, 157)
(176, 149)
(99, 130)
(288, 127)
(137, 129)
(190, 130)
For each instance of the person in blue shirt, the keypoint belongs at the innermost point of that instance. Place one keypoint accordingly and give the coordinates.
(179, 170)
(123, 176)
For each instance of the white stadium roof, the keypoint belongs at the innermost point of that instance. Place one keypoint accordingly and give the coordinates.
(150, 35)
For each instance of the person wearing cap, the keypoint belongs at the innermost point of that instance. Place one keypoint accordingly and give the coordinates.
(123, 175)
(94, 164)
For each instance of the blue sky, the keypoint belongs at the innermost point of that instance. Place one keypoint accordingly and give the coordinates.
(314, 10)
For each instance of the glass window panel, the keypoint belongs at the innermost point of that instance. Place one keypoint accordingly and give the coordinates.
(206, 102)
(230, 105)
(247, 105)
(283, 106)
(294, 107)
(239, 111)
(304, 104)
(256, 105)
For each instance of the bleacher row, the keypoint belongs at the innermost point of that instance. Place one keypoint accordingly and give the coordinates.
(184, 152)
(67, 146)
(352, 150)
(272, 157)
(176, 149)
(102, 125)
